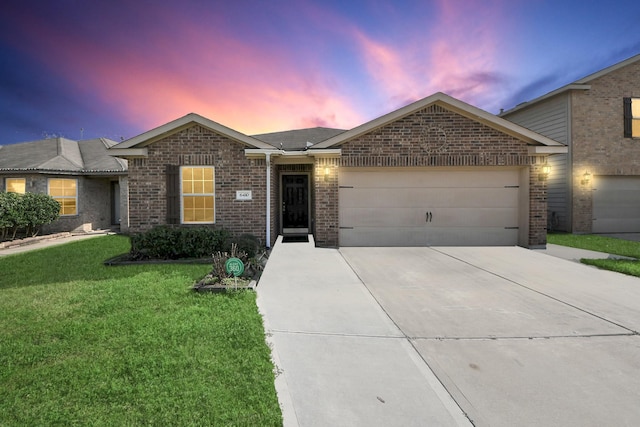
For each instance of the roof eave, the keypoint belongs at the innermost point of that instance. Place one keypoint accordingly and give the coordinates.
(546, 150)
(564, 89)
(129, 153)
(324, 153)
(185, 122)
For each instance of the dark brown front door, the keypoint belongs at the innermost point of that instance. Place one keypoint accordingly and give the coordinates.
(295, 204)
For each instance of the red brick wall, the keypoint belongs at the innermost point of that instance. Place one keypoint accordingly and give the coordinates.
(433, 136)
(197, 146)
(598, 142)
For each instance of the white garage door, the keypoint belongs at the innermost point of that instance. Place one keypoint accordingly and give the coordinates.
(616, 204)
(418, 207)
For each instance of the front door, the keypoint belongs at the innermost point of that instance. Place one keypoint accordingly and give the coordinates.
(295, 204)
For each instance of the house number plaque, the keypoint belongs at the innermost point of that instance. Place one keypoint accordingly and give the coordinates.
(243, 195)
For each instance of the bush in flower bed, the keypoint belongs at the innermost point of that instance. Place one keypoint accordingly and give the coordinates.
(167, 242)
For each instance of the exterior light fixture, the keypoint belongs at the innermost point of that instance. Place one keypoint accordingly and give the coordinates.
(326, 173)
(586, 178)
(546, 170)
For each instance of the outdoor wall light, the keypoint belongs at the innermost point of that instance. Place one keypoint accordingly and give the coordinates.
(326, 174)
(546, 170)
(586, 178)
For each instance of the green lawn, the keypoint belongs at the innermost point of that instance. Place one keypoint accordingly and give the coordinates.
(85, 344)
(603, 244)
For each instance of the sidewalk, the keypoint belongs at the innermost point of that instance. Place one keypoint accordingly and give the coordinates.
(40, 242)
(575, 254)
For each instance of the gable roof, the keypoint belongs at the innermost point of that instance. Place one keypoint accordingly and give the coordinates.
(135, 147)
(61, 155)
(299, 139)
(452, 104)
(581, 84)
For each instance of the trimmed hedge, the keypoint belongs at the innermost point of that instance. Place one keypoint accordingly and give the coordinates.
(166, 242)
(28, 212)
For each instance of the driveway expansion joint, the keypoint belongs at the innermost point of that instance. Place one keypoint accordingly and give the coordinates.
(522, 338)
(336, 334)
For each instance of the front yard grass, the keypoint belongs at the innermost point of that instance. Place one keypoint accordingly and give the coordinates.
(608, 245)
(85, 344)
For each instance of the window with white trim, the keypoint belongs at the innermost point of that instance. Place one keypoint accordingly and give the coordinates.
(65, 192)
(197, 195)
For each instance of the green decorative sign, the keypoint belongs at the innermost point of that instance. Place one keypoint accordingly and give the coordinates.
(234, 266)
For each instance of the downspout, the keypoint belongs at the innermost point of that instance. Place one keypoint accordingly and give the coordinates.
(268, 160)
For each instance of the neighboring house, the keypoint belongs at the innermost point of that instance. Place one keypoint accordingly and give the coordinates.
(595, 187)
(436, 172)
(89, 183)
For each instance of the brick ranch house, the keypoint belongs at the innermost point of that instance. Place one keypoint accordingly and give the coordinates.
(89, 184)
(436, 172)
(595, 186)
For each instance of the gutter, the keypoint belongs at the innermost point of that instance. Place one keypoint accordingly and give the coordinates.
(268, 204)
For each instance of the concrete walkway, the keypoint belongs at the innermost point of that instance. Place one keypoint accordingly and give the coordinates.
(341, 360)
(42, 242)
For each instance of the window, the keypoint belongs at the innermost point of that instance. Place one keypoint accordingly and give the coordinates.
(197, 195)
(632, 117)
(65, 192)
(15, 185)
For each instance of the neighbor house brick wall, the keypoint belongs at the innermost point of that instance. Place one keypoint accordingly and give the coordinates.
(598, 142)
(432, 137)
(94, 201)
(198, 146)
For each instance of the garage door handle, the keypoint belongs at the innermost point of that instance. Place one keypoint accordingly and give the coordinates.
(429, 217)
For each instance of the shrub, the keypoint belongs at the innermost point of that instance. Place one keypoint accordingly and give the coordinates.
(39, 209)
(248, 243)
(166, 242)
(11, 214)
(29, 211)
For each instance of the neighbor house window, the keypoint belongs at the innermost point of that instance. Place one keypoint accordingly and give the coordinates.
(197, 195)
(65, 192)
(16, 185)
(632, 117)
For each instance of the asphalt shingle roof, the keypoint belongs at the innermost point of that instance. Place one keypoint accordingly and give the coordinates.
(61, 155)
(298, 139)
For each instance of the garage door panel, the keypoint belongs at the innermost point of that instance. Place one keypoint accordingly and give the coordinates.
(616, 204)
(439, 217)
(427, 197)
(416, 236)
(418, 179)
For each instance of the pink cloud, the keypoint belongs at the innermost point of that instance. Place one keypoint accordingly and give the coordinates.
(455, 51)
(196, 68)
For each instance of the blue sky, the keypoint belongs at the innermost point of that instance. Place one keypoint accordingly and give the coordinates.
(118, 68)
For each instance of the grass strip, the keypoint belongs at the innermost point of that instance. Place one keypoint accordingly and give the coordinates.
(604, 244)
(597, 243)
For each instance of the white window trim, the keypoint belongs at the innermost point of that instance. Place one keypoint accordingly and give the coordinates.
(66, 197)
(635, 118)
(213, 195)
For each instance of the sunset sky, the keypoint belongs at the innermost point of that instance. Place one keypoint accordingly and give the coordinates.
(115, 69)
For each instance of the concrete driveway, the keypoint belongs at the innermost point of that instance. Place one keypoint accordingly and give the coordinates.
(498, 336)
(515, 336)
